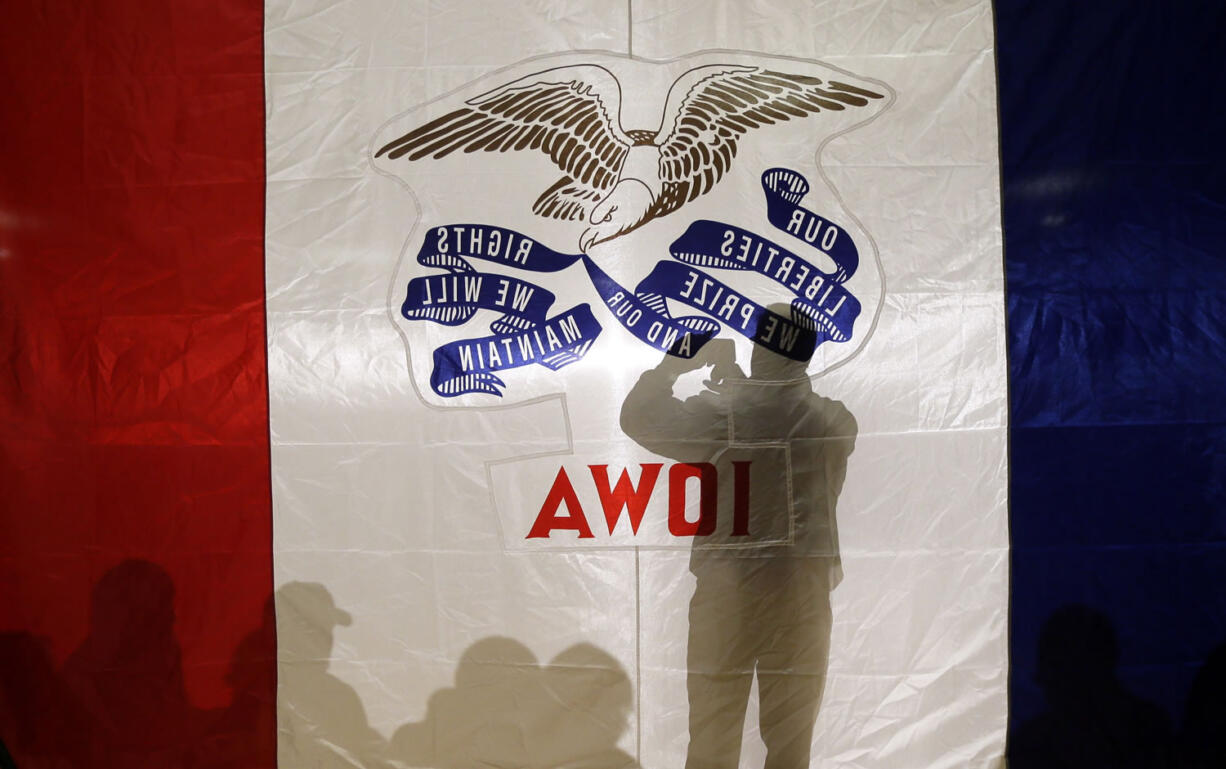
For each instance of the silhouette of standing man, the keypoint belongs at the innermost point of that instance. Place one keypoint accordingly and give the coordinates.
(762, 600)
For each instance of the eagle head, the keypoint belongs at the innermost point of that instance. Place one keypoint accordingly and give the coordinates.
(622, 210)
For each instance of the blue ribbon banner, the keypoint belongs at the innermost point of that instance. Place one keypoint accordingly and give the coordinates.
(525, 333)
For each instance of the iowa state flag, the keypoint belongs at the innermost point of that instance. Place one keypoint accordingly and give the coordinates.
(593, 385)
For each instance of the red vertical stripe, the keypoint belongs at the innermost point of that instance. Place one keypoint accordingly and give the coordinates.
(135, 534)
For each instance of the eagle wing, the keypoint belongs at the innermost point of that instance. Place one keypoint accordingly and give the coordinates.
(568, 113)
(709, 108)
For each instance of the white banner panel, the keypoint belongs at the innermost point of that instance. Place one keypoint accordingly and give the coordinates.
(637, 384)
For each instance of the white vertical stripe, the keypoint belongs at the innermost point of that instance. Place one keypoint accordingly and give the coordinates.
(384, 501)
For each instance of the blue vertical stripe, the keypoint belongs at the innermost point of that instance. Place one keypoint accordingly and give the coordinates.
(1113, 121)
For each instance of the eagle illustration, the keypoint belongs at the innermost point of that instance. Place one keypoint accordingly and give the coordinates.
(618, 180)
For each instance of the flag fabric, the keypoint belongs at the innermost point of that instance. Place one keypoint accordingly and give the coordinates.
(606, 385)
(498, 275)
(136, 524)
(1113, 221)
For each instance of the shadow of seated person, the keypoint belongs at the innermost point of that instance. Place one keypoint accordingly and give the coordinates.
(244, 733)
(127, 675)
(1203, 739)
(506, 710)
(1091, 721)
(42, 723)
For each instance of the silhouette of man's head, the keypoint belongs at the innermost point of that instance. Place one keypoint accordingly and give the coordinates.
(132, 609)
(770, 366)
(306, 616)
(1077, 653)
(253, 664)
(492, 661)
(590, 681)
(767, 365)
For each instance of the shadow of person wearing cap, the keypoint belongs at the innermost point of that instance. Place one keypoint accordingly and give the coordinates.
(505, 710)
(321, 720)
(761, 604)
